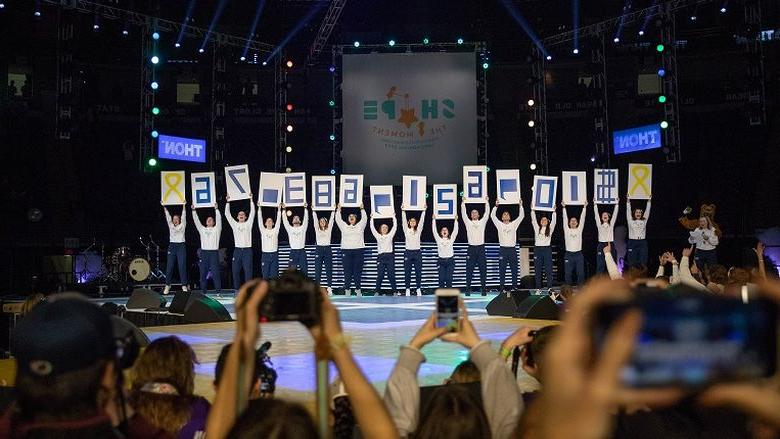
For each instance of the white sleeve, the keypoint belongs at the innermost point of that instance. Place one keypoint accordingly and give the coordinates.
(553, 221)
(363, 219)
(404, 221)
(421, 222)
(394, 229)
(686, 277)
(493, 217)
(484, 218)
(198, 225)
(581, 225)
(611, 266)
(454, 233)
(534, 223)
(229, 216)
(613, 220)
(374, 231)
(436, 236)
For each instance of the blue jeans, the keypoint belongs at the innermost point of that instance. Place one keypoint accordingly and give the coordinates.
(209, 261)
(601, 265)
(386, 262)
(446, 271)
(177, 255)
(242, 258)
(574, 262)
(543, 262)
(507, 256)
(269, 265)
(324, 260)
(705, 258)
(413, 261)
(476, 257)
(353, 267)
(298, 260)
(636, 252)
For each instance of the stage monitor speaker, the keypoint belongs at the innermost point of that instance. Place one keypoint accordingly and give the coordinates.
(538, 307)
(506, 304)
(143, 298)
(204, 309)
(180, 301)
(528, 282)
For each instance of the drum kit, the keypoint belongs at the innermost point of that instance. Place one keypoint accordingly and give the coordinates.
(123, 264)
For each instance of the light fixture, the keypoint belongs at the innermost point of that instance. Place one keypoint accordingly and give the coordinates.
(289, 128)
(575, 51)
(531, 102)
(460, 40)
(616, 40)
(356, 44)
(154, 85)
(243, 58)
(641, 33)
(533, 166)
(391, 43)
(289, 64)
(155, 133)
(177, 45)
(549, 57)
(664, 124)
(288, 149)
(156, 35)
(155, 59)
(201, 50)
(531, 124)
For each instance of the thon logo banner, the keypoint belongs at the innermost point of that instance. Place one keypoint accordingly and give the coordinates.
(637, 139)
(181, 148)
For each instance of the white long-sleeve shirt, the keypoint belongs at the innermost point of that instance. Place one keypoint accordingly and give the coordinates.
(606, 230)
(323, 236)
(507, 233)
(384, 243)
(209, 236)
(412, 236)
(444, 246)
(573, 237)
(475, 230)
(176, 231)
(704, 239)
(637, 229)
(269, 238)
(242, 232)
(541, 238)
(296, 235)
(352, 236)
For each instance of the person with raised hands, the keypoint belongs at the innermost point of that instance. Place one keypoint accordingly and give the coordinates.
(296, 235)
(573, 259)
(412, 228)
(445, 251)
(507, 241)
(385, 258)
(177, 248)
(475, 232)
(232, 415)
(605, 224)
(543, 261)
(209, 248)
(636, 248)
(455, 415)
(323, 229)
(353, 244)
(269, 237)
(242, 238)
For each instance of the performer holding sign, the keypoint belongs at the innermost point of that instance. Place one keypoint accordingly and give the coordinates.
(542, 251)
(507, 241)
(352, 245)
(413, 254)
(605, 223)
(475, 231)
(573, 260)
(384, 254)
(209, 248)
(177, 249)
(636, 252)
(324, 258)
(269, 237)
(242, 237)
(296, 234)
(446, 253)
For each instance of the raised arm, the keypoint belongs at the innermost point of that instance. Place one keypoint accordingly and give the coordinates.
(198, 224)
(613, 219)
(168, 218)
(374, 231)
(183, 215)
(628, 209)
(435, 230)
(421, 222)
(565, 217)
(394, 228)
(229, 216)
(596, 213)
(534, 223)
(484, 218)
(286, 222)
(685, 272)
(277, 225)
(217, 217)
(340, 219)
(493, 217)
(454, 233)
(612, 268)
(553, 221)
(463, 213)
(404, 221)
(647, 210)
(363, 218)
(305, 219)
(252, 211)
(520, 215)
(581, 225)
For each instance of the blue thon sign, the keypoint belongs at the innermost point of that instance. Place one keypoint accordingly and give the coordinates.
(181, 148)
(637, 139)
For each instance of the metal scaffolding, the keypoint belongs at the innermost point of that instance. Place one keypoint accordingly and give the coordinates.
(539, 145)
(326, 28)
(280, 113)
(671, 134)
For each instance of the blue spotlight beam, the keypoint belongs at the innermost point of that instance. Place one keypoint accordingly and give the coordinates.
(626, 8)
(255, 21)
(290, 35)
(575, 12)
(518, 16)
(190, 8)
(214, 20)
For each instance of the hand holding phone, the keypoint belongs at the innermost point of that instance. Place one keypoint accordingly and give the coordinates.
(447, 308)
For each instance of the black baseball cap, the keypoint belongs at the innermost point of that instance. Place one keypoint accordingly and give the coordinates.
(62, 336)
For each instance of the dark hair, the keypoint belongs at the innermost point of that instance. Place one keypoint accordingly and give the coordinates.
(274, 418)
(637, 271)
(465, 372)
(219, 369)
(453, 412)
(539, 343)
(717, 273)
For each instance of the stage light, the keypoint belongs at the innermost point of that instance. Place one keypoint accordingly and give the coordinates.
(531, 102)
(723, 10)
(332, 103)
(289, 64)
(288, 170)
(2, 5)
(391, 43)
(533, 166)
(155, 110)
(201, 50)
(662, 72)
(243, 58)
(37, 13)
(332, 69)
(593, 159)
(616, 40)
(152, 161)
(289, 128)
(125, 32)
(426, 40)
(155, 85)
(641, 33)
(96, 27)
(289, 107)
(460, 40)
(155, 59)
(661, 99)
(288, 149)
(177, 45)
(332, 137)
(485, 65)
(155, 134)
(693, 18)
(356, 44)
(265, 63)
(659, 48)
(155, 35)
(531, 124)
(575, 51)
(664, 124)
(332, 171)
(549, 57)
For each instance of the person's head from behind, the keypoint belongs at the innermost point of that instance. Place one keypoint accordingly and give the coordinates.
(638, 214)
(453, 412)
(605, 217)
(474, 215)
(384, 229)
(352, 219)
(533, 354)
(574, 222)
(274, 418)
(323, 223)
(704, 222)
(296, 221)
(241, 216)
(66, 361)
(465, 372)
(210, 222)
(269, 223)
(254, 387)
(176, 219)
(717, 274)
(505, 218)
(634, 272)
(444, 232)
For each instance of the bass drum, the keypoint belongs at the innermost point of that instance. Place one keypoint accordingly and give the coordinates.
(139, 269)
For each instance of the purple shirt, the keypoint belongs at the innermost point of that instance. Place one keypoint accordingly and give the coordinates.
(195, 428)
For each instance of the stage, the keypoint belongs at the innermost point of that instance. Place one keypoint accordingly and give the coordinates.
(378, 327)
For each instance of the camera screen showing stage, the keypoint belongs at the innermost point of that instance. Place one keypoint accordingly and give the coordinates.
(412, 114)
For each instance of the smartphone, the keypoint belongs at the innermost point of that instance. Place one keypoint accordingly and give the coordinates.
(447, 309)
(695, 340)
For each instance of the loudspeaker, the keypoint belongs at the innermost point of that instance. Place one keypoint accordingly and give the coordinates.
(505, 304)
(204, 309)
(180, 301)
(538, 307)
(528, 282)
(143, 298)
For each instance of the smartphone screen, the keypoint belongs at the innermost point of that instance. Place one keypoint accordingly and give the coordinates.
(447, 312)
(692, 341)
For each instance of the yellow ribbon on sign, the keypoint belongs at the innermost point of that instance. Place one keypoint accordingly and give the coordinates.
(641, 180)
(172, 180)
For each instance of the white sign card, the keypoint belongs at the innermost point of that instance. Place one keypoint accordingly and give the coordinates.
(237, 182)
(270, 189)
(323, 192)
(204, 192)
(475, 184)
(544, 193)
(413, 196)
(172, 188)
(574, 188)
(351, 190)
(508, 186)
(294, 189)
(445, 201)
(640, 181)
(382, 204)
(605, 186)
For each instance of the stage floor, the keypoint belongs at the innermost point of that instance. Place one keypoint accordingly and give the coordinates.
(378, 327)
